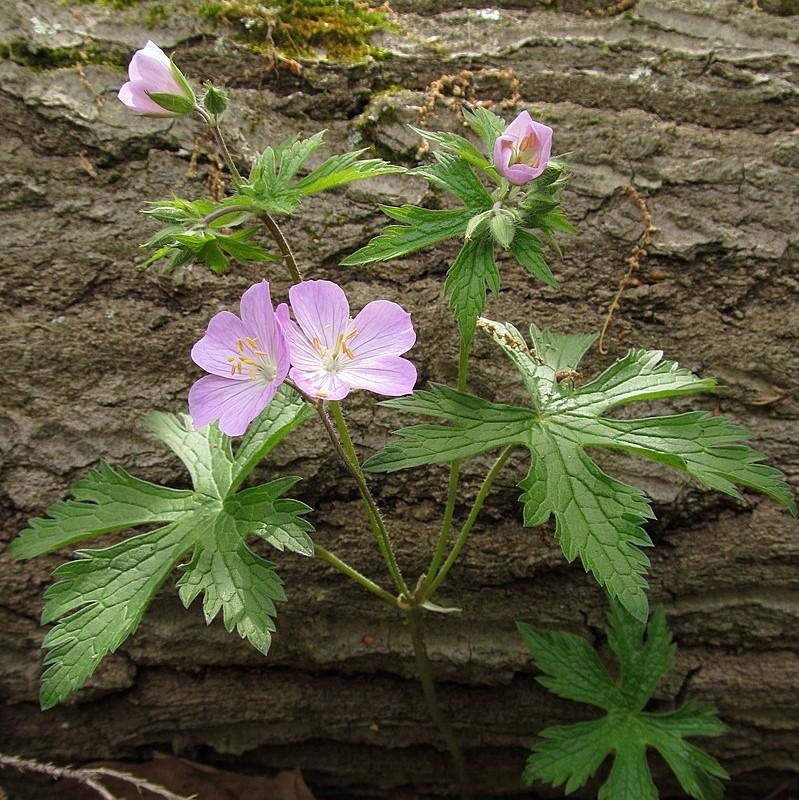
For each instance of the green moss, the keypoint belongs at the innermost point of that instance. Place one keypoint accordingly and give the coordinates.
(21, 52)
(303, 28)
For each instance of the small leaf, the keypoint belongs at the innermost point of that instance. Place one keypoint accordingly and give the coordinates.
(474, 268)
(486, 124)
(571, 754)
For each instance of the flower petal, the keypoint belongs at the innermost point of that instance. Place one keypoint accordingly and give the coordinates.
(220, 344)
(259, 318)
(133, 94)
(389, 375)
(320, 382)
(503, 150)
(519, 174)
(150, 65)
(321, 310)
(382, 328)
(520, 126)
(234, 403)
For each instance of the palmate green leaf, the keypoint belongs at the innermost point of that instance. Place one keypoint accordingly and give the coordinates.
(598, 519)
(98, 599)
(571, 754)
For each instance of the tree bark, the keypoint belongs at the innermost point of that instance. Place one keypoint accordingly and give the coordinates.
(692, 104)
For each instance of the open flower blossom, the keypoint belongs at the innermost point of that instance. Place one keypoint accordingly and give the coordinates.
(248, 359)
(152, 73)
(522, 150)
(331, 353)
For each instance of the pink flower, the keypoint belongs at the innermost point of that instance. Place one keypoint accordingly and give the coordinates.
(248, 359)
(332, 353)
(152, 73)
(522, 151)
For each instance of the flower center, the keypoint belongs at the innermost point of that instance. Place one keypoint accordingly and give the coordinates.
(526, 150)
(337, 360)
(257, 363)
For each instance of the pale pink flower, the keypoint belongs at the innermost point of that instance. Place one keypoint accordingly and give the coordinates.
(522, 150)
(248, 359)
(151, 72)
(332, 353)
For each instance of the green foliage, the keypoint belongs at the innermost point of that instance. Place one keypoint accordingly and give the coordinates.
(271, 186)
(214, 233)
(571, 754)
(597, 517)
(204, 231)
(338, 30)
(503, 214)
(99, 599)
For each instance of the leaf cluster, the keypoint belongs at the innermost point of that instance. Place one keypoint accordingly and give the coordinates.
(597, 517)
(513, 218)
(214, 233)
(99, 598)
(203, 231)
(571, 754)
(273, 185)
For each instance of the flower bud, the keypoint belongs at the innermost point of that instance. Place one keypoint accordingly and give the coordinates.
(503, 227)
(157, 88)
(215, 101)
(522, 150)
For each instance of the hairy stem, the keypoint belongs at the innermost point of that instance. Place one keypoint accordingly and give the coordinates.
(89, 777)
(467, 526)
(350, 457)
(353, 574)
(281, 242)
(454, 478)
(423, 665)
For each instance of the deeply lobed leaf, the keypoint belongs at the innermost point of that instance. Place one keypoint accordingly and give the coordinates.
(571, 754)
(98, 599)
(597, 518)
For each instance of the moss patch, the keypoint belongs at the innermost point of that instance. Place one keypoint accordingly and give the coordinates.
(338, 30)
(21, 52)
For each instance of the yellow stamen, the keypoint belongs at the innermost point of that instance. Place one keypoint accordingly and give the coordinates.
(239, 345)
(351, 335)
(317, 346)
(251, 342)
(323, 395)
(230, 359)
(346, 350)
(233, 370)
(245, 360)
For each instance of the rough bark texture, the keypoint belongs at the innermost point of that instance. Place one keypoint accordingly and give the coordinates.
(693, 104)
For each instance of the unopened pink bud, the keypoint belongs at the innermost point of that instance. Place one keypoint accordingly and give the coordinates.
(522, 151)
(151, 74)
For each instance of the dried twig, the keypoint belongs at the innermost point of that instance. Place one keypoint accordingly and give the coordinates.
(638, 253)
(90, 777)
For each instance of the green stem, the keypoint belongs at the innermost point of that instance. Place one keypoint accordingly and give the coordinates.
(454, 478)
(467, 526)
(351, 572)
(347, 451)
(280, 239)
(234, 171)
(425, 669)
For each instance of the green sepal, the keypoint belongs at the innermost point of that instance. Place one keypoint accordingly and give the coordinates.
(173, 103)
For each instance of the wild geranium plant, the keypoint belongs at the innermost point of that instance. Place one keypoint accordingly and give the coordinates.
(270, 370)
